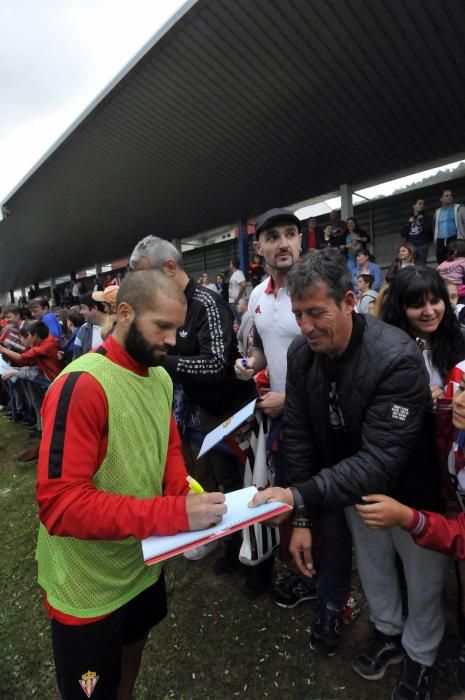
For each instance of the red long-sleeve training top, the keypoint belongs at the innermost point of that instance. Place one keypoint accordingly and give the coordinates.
(75, 436)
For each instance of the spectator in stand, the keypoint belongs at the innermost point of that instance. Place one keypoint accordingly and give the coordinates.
(457, 308)
(9, 334)
(367, 295)
(222, 287)
(40, 311)
(365, 266)
(43, 352)
(453, 268)
(89, 335)
(327, 240)
(237, 285)
(315, 234)
(337, 235)
(11, 338)
(107, 281)
(97, 286)
(355, 239)
(405, 258)
(108, 298)
(338, 225)
(118, 278)
(256, 271)
(203, 280)
(448, 224)
(74, 322)
(75, 291)
(418, 231)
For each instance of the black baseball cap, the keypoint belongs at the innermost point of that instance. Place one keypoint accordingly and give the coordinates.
(271, 216)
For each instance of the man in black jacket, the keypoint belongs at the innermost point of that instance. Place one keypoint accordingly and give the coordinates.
(202, 363)
(355, 416)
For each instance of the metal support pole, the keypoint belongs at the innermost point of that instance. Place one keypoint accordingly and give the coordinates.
(347, 208)
(243, 242)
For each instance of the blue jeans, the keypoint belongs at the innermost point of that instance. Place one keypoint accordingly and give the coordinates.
(421, 253)
(232, 306)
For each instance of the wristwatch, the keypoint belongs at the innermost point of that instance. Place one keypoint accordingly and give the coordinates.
(300, 509)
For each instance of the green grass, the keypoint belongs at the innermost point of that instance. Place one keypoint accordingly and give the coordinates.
(214, 644)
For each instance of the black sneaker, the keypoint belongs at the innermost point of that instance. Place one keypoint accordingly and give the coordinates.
(383, 651)
(326, 634)
(294, 590)
(460, 670)
(415, 682)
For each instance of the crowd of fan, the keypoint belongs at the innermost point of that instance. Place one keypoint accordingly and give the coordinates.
(36, 343)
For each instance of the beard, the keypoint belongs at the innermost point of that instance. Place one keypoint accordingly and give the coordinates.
(140, 350)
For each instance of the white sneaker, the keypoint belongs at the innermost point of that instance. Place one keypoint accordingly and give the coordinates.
(200, 552)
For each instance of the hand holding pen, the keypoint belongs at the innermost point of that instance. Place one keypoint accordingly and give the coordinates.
(244, 368)
(203, 509)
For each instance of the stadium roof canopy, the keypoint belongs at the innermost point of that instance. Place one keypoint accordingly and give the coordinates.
(235, 107)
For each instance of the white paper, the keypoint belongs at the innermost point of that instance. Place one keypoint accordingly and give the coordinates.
(228, 426)
(238, 512)
(5, 367)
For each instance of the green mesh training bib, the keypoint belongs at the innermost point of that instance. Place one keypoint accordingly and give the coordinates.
(87, 578)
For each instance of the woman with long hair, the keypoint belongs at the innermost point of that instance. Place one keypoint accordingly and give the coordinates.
(418, 302)
(405, 258)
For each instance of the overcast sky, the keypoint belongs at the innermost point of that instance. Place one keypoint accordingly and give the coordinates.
(55, 57)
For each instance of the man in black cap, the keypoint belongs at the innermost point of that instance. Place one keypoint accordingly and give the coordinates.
(278, 241)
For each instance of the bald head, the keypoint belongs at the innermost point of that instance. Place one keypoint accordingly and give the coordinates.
(145, 289)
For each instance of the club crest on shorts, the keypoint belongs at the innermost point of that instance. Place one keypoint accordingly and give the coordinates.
(88, 681)
(227, 422)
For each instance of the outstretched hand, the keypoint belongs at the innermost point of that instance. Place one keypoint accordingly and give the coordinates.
(276, 494)
(382, 512)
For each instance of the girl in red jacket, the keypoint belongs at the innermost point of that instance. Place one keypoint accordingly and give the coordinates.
(430, 530)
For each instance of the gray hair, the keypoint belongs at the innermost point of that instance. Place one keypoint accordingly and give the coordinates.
(156, 250)
(328, 266)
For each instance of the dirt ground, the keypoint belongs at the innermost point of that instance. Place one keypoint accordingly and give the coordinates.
(215, 643)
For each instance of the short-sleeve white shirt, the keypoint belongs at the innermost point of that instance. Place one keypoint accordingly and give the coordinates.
(276, 326)
(234, 285)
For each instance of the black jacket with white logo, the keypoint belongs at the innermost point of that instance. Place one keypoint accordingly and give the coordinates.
(206, 349)
(384, 397)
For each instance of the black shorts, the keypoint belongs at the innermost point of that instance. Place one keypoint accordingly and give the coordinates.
(88, 657)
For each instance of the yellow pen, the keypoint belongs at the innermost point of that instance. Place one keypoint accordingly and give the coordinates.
(194, 485)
